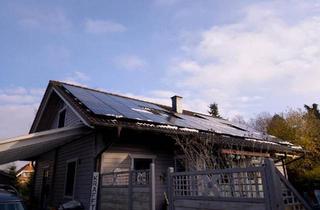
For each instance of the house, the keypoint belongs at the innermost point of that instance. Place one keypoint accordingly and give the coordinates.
(80, 133)
(25, 173)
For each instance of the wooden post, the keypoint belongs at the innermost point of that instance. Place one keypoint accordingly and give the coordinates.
(170, 188)
(272, 186)
(130, 190)
(152, 179)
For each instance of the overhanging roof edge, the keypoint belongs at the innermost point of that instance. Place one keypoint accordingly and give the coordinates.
(32, 145)
(42, 134)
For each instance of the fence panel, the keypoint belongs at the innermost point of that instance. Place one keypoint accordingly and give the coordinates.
(225, 189)
(227, 184)
(259, 188)
(291, 198)
(127, 190)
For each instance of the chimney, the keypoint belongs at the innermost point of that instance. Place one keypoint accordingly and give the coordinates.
(176, 104)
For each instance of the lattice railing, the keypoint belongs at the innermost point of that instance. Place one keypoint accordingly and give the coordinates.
(291, 198)
(223, 183)
(140, 177)
(123, 178)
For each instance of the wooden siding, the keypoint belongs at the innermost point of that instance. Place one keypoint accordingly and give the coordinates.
(71, 118)
(82, 150)
(114, 198)
(45, 161)
(50, 116)
(118, 157)
(117, 198)
(216, 205)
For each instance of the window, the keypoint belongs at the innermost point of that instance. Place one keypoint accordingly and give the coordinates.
(70, 178)
(141, 163)
(62, 118)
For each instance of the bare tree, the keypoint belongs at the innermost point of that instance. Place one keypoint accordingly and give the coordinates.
(261, 122)
(200, 153)
(239, 119)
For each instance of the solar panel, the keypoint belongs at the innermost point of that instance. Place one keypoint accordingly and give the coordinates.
(124, 110)
(90, 101)
(102, 103)
(143, 109)
(106, 104)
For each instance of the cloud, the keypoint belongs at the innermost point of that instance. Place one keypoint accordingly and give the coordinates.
(258, 59)
(103, 26)
(130, 62)
(54, 20)
(150, 97)
(81, 76)
(18, 107)
(19, 96)
(77, 78)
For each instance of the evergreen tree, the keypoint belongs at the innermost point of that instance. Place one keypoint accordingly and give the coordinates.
(214, 110)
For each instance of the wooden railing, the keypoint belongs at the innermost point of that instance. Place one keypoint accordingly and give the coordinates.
(263, 185)
(122, 178)
(291, 198)
(128, 190)
(222, 184)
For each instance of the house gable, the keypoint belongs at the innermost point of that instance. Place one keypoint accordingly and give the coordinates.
(49, 112)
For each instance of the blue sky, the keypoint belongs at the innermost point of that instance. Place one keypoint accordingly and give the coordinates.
(248, 56)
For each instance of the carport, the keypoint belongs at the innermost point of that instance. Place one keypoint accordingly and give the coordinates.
(28, 146)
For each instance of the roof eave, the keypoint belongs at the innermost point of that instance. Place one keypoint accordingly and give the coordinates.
(220, 138)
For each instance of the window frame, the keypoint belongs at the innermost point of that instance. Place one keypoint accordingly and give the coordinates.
(75, 178)
(63, 109)
(140, 156)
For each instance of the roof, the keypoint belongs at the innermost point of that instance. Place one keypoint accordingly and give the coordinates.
(98, 108)
(28, 146)
(26, 168)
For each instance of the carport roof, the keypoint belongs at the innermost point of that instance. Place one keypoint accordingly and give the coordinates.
(28, 146)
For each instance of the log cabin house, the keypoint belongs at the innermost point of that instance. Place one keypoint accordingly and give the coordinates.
(80, 132)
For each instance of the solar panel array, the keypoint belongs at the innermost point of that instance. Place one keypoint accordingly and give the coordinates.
(101, 103)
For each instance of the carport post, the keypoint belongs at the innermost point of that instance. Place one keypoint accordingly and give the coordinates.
(152, 187)
(170, 188)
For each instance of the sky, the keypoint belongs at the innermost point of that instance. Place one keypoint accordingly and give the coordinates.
(247, 56)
